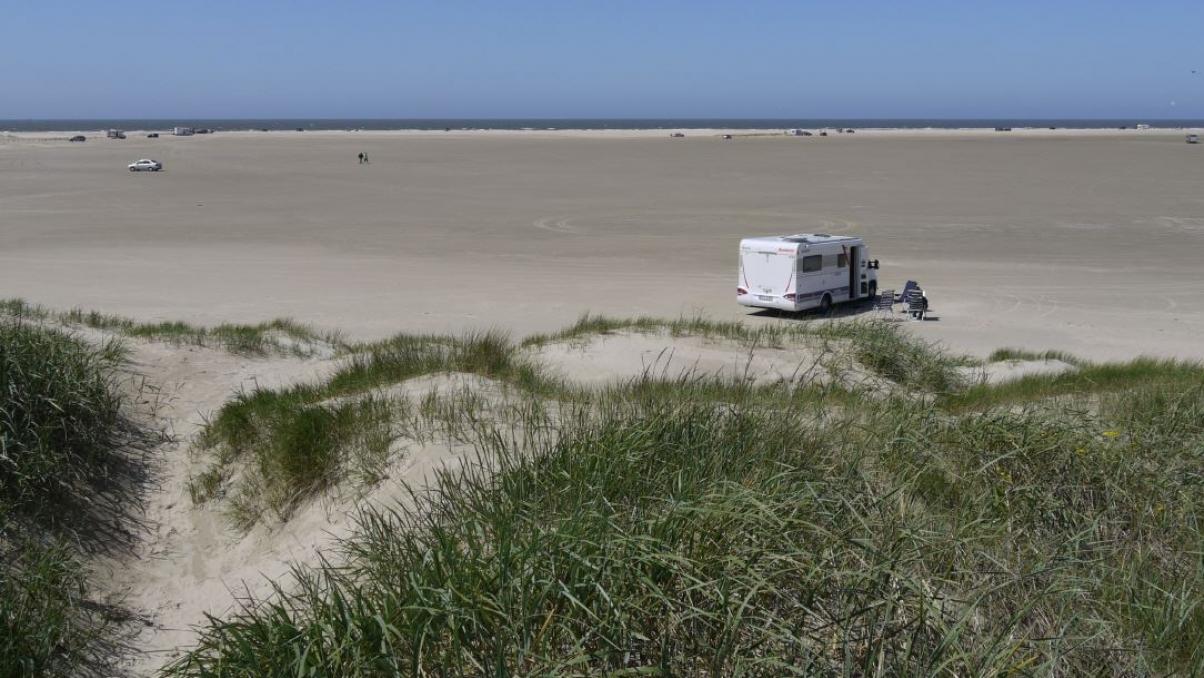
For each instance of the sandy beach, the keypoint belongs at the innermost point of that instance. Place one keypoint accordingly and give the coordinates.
(1087, 241)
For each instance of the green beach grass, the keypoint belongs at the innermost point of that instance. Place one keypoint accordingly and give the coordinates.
(921, 524)
(667, 538)
(60, 426)
(282, 336)
(702, 526)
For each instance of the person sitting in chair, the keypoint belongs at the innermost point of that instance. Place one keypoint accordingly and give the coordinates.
(916, 299)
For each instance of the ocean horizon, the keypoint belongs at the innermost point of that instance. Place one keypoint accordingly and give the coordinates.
(435, 124)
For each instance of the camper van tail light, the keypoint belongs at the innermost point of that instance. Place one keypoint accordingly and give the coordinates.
(740, 291)
(789, 297)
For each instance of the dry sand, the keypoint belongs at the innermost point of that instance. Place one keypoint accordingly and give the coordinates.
(598, 360)
(1087, 242)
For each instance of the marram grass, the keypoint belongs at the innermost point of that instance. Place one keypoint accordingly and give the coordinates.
(707, 527)
(60, 418)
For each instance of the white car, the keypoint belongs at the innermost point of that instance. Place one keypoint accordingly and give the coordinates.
(146, 165)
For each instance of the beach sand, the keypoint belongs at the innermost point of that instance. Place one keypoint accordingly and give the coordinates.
(1084, 241)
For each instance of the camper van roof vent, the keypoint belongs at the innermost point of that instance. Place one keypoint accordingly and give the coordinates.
(807, 237)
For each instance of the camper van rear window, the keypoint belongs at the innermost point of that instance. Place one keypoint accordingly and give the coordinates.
(842, 260)
(812, 263)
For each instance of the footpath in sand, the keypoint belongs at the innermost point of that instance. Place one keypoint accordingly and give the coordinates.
(188, 562)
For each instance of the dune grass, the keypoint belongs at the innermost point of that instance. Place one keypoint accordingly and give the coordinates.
(881, 346)
(1008, 353)
(590, 324)
(272, 448)
(703, 526)
(1088, 379)
(60, 413)
(60, 425)
(670, 538)
(282, 336)
(295, 441)
(47, 625)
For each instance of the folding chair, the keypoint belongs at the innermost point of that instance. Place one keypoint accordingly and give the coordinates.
(917, 304)
(885, 303)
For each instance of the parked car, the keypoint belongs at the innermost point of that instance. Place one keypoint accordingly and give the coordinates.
(146, 165)
(78, 138)
(678, 135)
(727, 136)
(1193, 138)
(153, 135)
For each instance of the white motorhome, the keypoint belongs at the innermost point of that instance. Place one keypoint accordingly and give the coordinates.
(803, 271)
(183, 131)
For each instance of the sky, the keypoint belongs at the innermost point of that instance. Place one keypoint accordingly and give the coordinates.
(591, 59)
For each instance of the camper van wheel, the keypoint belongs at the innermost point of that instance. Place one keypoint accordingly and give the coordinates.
(825, 304)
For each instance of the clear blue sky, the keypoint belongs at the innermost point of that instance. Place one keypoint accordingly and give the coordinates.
(618, 58)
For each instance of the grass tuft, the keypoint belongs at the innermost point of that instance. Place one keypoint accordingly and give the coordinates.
(281, 336)
(1004, 354)
(1088, 380)
(60, 413)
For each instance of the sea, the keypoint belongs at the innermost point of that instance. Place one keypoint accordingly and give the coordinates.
(240, 124)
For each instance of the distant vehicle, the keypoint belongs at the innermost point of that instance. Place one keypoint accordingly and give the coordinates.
(115, 134)
(203, 130)
(678, 135)
(300, 129)
(808, 270)
(183, 131)
(146, 165)
(823, 134)
(727, 136)
(1193, 138)
(850, 131)
(805, 134)
(1143, 126)
(1003, 129)
(153, 135)
(798, 133)
(77, 138)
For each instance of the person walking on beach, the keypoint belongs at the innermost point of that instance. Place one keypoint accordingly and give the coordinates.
(361, 158)
(365, 158)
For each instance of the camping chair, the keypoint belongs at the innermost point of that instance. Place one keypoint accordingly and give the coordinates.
(908, 288)
(885, 302)
(917, 304)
